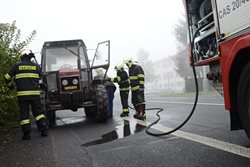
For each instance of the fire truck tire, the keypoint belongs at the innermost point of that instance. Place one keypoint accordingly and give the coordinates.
(90, 111)
(102, 103)
(244, 98)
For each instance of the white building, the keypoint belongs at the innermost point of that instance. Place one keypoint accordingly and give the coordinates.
(166, 79)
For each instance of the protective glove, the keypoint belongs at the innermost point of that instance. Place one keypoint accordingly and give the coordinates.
(31, 55)
(141, 89)
(107, 79)
(42, 86)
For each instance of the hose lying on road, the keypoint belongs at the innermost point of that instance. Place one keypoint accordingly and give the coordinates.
(194, 105)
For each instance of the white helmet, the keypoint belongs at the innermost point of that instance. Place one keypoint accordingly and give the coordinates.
(25, 52)
(128, 62)
(99, 71)
(119, 67)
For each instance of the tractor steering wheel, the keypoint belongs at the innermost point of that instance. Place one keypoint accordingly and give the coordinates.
(66, 66)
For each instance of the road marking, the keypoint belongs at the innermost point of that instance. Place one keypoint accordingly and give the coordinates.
(191, 103)
(225, 146)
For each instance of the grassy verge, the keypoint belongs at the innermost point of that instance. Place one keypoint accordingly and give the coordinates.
(7, 132)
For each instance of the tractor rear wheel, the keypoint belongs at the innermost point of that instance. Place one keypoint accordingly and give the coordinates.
(102, 103)
(244, 98)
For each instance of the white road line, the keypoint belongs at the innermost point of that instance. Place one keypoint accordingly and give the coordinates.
(191, 103)
(228, 147)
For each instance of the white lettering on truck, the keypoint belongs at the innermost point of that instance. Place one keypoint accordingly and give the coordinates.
(231, 7)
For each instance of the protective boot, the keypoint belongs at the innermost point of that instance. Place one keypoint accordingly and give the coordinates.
(124, 114)
(26, 131)
(26, 136)
(142, 115)
(42, 126)
(137, 112)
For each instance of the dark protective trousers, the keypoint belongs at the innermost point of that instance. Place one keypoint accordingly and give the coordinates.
(138, 98)
(36, 108)
(111, 92)
(124, 100)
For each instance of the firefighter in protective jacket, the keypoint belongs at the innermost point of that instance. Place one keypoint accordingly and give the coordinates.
(123, 82)
(26, 75)
(136, 78)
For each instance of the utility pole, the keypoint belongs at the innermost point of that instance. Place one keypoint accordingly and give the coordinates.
(205, 80)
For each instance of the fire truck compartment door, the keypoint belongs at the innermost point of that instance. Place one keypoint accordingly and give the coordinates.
(233, 16)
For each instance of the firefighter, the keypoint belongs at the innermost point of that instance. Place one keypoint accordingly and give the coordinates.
(110, 87)
(136, 77)
(26, 75)
(123, 82)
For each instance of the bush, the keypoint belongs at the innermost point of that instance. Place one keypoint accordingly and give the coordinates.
(10, 48)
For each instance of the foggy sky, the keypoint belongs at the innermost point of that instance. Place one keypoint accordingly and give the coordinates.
(129, 24)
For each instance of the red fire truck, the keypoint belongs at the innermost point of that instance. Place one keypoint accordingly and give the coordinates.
(219, 33)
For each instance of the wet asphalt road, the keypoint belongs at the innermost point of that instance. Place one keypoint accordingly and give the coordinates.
(76, 141)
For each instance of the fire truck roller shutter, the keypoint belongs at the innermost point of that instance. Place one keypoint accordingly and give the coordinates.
(205, 9)
(194, 8)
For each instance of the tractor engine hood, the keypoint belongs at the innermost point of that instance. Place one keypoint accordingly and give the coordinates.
(69, 80)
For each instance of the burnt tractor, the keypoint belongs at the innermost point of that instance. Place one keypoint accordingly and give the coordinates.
(69, 80)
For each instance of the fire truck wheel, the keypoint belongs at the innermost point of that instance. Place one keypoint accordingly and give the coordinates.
(102, 103)
(90, 111)
(244, 98)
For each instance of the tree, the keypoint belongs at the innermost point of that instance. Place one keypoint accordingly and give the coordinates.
(181, 58)
(10, 48)
(146, 63)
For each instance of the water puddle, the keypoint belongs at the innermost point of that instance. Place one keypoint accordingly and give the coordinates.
(65, 121)
(121, 131)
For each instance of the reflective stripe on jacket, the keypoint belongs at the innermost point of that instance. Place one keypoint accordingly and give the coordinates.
(136, 77)
(122, 80)
(26, 75)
